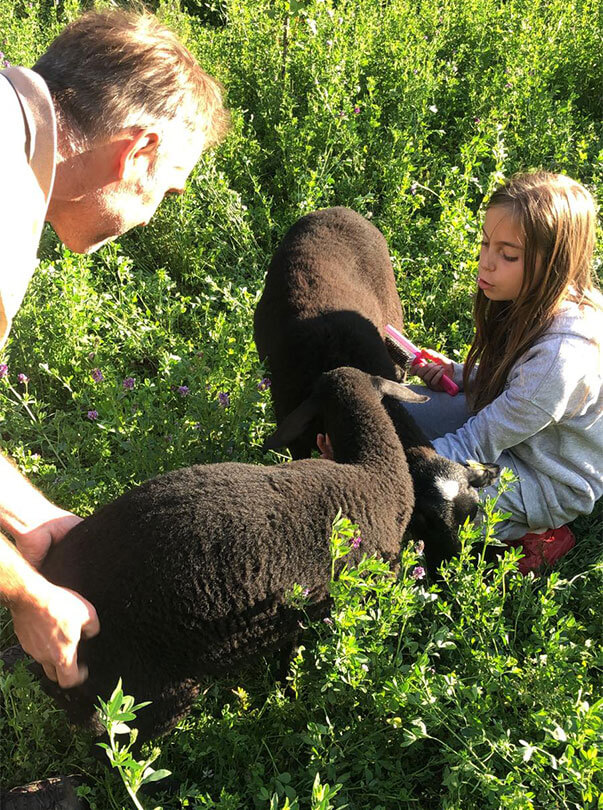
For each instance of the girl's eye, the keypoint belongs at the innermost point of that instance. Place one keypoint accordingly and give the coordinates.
(510, 258)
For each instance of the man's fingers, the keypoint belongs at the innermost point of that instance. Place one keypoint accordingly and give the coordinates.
(91, 626)
(68, 674)
(90, 622)
(50, 672)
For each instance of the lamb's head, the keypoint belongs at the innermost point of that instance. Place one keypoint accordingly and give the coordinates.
(446, 495)
(348, 401)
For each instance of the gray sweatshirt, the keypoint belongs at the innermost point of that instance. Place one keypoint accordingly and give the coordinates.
(549, 419)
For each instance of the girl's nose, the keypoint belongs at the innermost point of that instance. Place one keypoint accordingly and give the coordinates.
(486, 261)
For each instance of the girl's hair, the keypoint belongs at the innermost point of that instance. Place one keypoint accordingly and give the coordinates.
(557, 219)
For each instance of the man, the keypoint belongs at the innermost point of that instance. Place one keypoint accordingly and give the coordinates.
(112, 118)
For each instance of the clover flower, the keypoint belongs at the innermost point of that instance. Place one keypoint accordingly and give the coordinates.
(97, 375)
(23, 378)
(264, 384)
(183, 390)
(128, 383)
(92, 415)
(224, 399)
(418, 572)
(356, 542)
(3, 370)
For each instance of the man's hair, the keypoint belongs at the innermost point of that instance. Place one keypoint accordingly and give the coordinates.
(557, 218)
(109, 70)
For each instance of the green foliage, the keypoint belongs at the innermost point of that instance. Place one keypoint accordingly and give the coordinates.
(483, 692)
(114, 717)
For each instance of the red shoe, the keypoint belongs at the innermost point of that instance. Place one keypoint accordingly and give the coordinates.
(544, 549)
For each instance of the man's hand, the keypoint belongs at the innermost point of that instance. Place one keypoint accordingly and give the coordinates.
(35, 543)
(49, 623)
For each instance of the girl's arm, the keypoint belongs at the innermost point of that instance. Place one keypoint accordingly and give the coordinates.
(504, 423)
(541, 388)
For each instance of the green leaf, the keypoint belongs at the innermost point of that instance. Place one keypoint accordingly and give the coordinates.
(154, 776)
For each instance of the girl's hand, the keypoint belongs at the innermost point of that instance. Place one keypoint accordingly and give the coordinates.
(324, 446)
(432, 373)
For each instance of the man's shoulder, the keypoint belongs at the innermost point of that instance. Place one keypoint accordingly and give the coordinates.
(32, 121)
(13, 134)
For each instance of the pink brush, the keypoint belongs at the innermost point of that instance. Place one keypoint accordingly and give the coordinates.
(420, 357)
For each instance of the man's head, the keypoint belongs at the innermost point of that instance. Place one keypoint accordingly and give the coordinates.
(134, 113)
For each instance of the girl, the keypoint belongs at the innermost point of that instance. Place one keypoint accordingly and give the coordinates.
(531, 385)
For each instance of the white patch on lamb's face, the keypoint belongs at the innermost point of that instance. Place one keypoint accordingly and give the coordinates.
(448, 488)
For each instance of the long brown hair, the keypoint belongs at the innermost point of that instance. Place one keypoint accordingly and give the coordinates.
(557, 219)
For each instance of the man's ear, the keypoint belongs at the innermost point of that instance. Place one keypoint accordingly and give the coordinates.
(138, 153)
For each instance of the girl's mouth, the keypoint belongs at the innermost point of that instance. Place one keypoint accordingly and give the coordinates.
(484, 285)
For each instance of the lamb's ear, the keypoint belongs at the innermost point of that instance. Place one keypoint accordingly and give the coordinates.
(389, 388)
(481, 475)
(294, 424)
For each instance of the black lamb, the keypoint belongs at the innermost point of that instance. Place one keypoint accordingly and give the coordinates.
(329, 293)
(190, 572)
(445, 491)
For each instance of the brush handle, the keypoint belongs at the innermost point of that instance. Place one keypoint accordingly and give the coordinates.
(447, 384)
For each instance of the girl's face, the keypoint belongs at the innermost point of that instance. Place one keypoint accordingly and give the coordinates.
(501, 259)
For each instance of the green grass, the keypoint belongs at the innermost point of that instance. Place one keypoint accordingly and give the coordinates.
(479, 695)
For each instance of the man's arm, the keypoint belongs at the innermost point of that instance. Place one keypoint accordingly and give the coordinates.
(48, 620)
(28, 516)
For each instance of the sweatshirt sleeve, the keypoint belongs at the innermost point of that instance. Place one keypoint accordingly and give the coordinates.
(544, 384)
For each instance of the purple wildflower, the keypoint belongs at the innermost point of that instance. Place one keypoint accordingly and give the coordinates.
(4, 61)
(418, 572)
(356, 542)
(3, 370)
(327, 620)
(183, 390)
(128, 383)
(477, 120)
(508, 86)
(97, 375)
(23, 378)
(356, 110)
(224, 399)
(92, 415)
(264, 384)
(419, 547)
(306, 592)
(341, 114)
